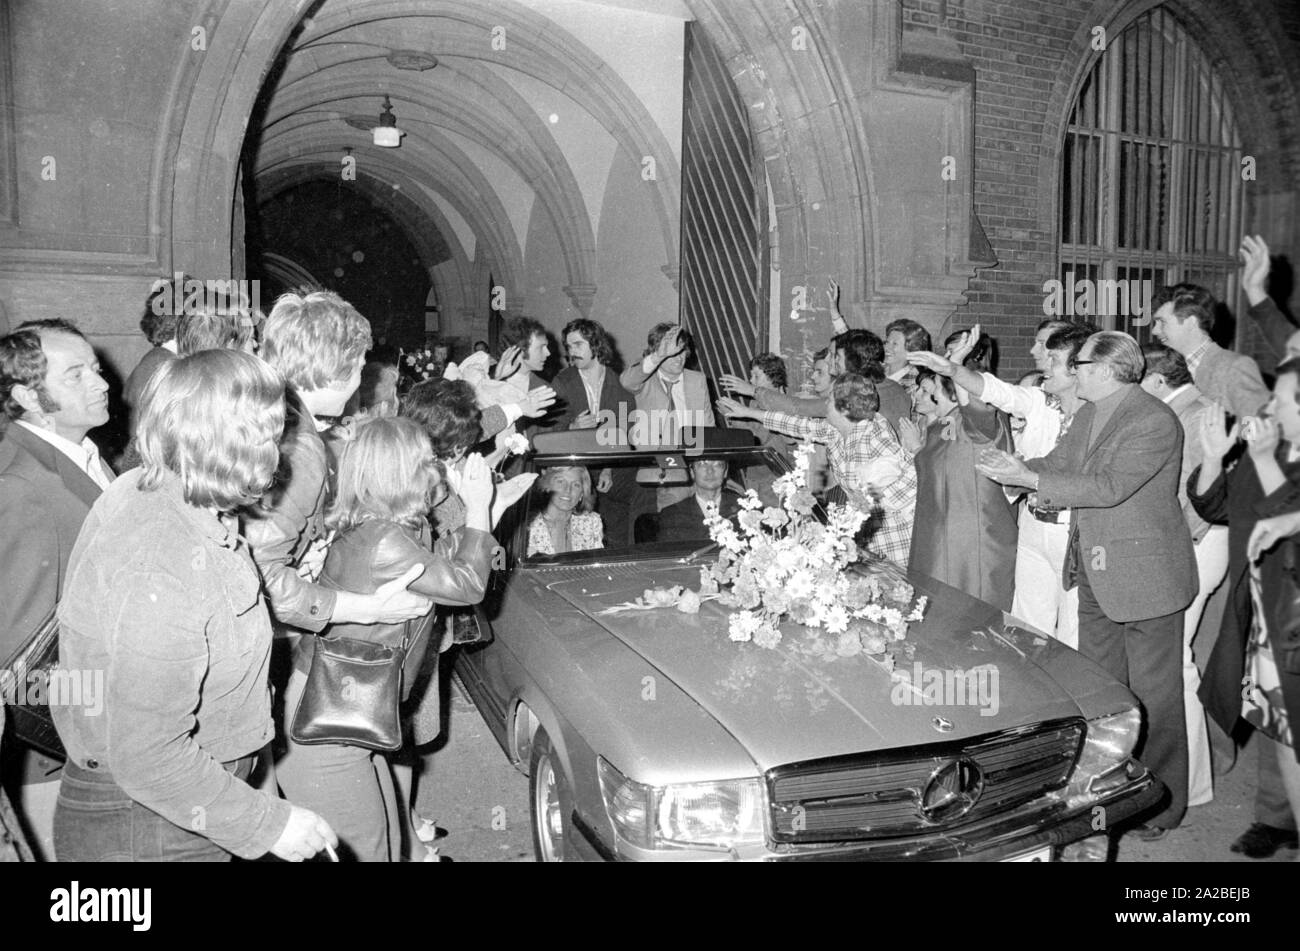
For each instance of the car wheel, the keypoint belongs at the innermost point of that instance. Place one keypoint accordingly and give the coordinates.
(550, 799)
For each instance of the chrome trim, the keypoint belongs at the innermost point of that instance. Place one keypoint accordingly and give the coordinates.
(915, 758)
(1028, 827)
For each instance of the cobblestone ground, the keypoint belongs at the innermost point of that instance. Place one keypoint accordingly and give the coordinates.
(482, 803)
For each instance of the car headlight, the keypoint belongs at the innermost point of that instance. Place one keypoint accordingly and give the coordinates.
(717, 815)
(1103, 763)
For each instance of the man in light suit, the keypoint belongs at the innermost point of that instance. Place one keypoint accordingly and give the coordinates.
(1184, 317)
(672, 402)
(51, 396)
(1166, 377)
(669, 397)
(1130, 554)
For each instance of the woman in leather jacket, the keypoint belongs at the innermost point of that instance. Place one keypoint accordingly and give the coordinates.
(387, 481)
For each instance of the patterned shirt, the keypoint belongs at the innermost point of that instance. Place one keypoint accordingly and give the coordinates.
(891, 506)
(1196, 356)
(585, 531)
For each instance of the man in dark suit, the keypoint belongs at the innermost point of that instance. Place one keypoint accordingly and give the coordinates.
(685, 519)
(52, 395)
(1117, 470)
(590, 396)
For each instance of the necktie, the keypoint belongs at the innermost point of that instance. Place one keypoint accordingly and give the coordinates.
(675, 420)
(671, 390)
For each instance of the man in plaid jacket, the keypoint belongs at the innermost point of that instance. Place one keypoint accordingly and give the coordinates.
(866, 459)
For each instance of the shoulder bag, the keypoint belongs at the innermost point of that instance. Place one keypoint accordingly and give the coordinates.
(352, 695)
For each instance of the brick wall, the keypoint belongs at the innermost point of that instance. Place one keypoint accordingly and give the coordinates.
(1019, 50)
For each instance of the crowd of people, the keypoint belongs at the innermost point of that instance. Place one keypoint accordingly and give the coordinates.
(278, 486)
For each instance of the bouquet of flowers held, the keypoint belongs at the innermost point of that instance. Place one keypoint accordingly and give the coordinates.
(419, 365)
(783, 563)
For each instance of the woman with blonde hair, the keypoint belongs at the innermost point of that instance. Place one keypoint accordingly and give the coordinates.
(388, 480)
(568, 522)
(163, 598)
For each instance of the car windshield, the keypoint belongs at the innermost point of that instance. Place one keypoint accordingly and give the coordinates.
(587, 508)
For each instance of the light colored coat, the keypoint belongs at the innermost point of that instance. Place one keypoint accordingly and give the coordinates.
(1231, 379)
(654, 426)
(1190, 405)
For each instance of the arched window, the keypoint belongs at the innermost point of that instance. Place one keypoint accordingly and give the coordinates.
(1151, 186)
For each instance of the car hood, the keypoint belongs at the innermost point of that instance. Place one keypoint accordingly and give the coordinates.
(784, 705)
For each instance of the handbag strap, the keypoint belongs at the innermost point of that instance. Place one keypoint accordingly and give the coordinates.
(33, 649)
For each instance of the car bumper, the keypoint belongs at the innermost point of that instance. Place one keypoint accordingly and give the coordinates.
(1029, 828)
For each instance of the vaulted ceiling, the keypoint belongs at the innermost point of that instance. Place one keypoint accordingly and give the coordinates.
(510, 109)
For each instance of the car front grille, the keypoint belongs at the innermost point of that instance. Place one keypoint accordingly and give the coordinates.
(933, 788)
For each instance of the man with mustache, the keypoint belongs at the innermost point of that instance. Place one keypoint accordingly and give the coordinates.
(51, 396)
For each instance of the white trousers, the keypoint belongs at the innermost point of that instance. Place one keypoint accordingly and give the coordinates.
(1211, 569)
(1040, 599)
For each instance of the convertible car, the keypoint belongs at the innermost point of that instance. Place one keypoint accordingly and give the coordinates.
(648, 735)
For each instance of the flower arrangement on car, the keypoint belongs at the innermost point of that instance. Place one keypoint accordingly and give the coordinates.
(783, 564)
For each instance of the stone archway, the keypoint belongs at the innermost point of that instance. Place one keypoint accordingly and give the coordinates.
(243, 41)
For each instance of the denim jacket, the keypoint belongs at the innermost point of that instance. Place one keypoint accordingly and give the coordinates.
(163, 600)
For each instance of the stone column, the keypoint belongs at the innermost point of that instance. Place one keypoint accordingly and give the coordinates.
(582, 296)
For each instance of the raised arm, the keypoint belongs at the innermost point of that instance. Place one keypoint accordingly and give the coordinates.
(800, 427)
(1255, 267)
(773, 401)
(634, 378)
(455, 571)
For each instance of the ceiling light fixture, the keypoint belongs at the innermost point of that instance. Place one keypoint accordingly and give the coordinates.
(387, 135)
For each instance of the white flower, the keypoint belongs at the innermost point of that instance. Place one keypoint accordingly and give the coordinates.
(772, 578)
(742, 625)
(788, 558)
(799, 585)
(517, 444)
(837, 619)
